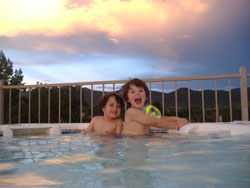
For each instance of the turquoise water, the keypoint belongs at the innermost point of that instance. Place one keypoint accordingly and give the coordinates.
(158, 161)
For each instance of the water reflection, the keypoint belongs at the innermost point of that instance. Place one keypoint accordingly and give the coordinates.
(75, 158)
(105, 161)
(27, 179)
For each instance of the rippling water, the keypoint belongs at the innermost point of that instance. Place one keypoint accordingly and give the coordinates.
(158, 161)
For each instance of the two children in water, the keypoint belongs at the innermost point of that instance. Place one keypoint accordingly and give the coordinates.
(135, 92)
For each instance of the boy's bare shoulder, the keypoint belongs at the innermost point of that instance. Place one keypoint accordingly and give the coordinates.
(133, 111)
(97, 118)
(118, 120)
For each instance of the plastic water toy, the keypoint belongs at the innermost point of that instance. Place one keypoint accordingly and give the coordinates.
(152, 111)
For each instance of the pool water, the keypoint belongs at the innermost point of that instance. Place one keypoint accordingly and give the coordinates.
(158, 161)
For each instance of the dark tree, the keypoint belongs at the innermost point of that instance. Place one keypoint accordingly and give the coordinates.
(6, 71)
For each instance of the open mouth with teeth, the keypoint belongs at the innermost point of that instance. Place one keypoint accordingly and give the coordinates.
(138, 101)
(115, 113)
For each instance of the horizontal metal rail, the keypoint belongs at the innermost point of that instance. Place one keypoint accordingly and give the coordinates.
(124, 81)
(243, 76)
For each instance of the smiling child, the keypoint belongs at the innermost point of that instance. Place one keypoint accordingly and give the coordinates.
(135, 92)
(109, 124)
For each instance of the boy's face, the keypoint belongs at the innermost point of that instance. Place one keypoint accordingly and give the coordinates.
(136, 96)
(112, 109)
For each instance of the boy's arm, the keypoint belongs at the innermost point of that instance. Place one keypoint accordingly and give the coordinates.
(170, 118)
(180, 121)
(140, 117)
(119, 127)
(90, 128)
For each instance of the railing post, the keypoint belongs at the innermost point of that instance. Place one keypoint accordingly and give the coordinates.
(1, 102)
(243, 93)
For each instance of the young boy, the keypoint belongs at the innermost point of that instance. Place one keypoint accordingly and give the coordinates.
(109, 124)
(135, 92)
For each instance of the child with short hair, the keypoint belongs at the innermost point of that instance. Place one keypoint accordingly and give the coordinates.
(135, 92)
(109, 124)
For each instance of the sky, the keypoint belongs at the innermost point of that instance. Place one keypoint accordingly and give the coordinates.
(63, 41)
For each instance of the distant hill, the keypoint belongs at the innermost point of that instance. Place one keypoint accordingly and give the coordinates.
(182, 93)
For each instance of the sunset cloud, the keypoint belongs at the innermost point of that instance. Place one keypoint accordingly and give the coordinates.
(117, 18)
(173, 34)
(96, 26)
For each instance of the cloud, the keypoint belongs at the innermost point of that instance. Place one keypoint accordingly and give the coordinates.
(162, 37)
(186, 37)
(142, 28)
(86, 42)
(135, 28)
(117, 18)
(220, 42)
(74, 4)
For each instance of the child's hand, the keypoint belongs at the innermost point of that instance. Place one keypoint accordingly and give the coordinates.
(181, 122)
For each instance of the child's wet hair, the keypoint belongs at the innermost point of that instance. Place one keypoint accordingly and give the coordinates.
(104, 99)
(138, 83)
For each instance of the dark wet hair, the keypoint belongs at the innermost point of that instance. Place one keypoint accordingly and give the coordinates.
(104, 99)
(138, 83)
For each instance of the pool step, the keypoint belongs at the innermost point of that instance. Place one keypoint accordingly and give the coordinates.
(41, 129)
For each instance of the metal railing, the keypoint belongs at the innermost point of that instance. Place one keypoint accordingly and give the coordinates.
(243, 90)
